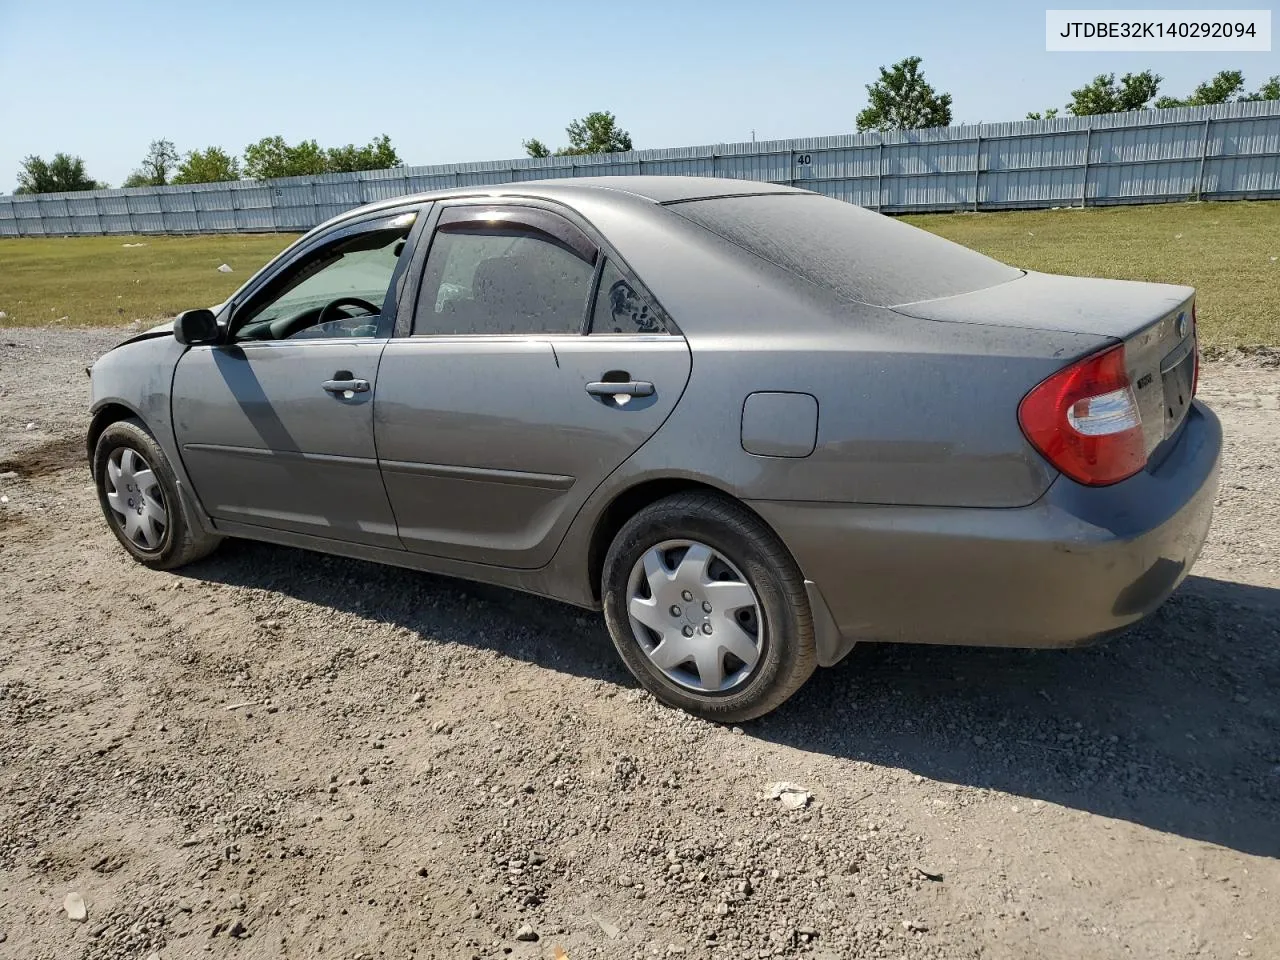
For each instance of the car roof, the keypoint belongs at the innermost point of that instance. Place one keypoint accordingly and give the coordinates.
(661, 189)
(656, 189)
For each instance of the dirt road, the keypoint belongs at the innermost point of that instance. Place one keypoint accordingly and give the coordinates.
(280, 754)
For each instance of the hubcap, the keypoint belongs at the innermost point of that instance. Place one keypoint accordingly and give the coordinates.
(133, 494)
(695, 616)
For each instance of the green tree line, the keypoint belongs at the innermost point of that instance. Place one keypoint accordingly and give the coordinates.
(163, 164)
(899, 99)
(1140, 91)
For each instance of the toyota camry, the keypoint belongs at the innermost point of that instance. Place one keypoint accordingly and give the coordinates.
(752, 424)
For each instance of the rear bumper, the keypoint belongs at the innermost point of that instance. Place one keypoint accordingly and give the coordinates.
(1078, 563)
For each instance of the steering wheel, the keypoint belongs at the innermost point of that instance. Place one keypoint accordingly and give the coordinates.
(330, 311)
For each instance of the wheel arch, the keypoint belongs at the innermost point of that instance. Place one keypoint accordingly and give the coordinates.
(628, 502)
(105, 414)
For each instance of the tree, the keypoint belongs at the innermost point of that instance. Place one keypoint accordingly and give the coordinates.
(1227, 86)
(1102, 95)
(272, 157)
(211, 165)
(379, 154)
(536, 148)
(1222, 88)
(597, 132)
(1048, 114)
(63, 172)
(902, 100)
(154, 170)
(1268, 91)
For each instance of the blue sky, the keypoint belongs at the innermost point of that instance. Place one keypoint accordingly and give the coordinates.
(461, 80)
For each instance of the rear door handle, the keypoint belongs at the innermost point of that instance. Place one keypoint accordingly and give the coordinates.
(632, 388)
(354, 385)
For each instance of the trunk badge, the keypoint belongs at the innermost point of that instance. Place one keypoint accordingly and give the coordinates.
(1182, 324)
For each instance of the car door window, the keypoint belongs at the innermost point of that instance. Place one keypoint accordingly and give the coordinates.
(337, 291)
(501, 279)
(620, 308)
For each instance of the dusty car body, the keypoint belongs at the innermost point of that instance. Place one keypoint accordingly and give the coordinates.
(756, 425)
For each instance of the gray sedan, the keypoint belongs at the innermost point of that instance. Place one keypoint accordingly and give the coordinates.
(753, 424)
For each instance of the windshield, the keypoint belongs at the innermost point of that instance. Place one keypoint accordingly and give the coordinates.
(858, 254)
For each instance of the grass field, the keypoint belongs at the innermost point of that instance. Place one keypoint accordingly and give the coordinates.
(95, 281)
(1229, 251)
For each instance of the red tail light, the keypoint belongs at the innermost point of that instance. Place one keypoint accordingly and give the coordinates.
(1085, 421)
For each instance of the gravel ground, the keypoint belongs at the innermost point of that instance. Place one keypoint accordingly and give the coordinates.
(280, 754)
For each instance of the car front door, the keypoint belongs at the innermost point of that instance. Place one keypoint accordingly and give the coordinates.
(275, 424)
(500, 413)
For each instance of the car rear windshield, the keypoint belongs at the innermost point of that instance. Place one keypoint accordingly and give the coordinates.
(858, 254)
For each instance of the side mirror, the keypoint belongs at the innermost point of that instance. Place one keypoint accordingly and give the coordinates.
(195, 327)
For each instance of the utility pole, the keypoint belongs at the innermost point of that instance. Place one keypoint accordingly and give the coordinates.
(753, 136)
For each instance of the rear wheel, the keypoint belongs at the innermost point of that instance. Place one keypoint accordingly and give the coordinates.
(139, 496)
(707, 608)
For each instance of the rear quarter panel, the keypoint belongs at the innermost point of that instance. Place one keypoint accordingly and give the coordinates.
(908, 416)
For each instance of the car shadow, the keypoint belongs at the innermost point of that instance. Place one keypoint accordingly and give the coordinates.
(1173, 725)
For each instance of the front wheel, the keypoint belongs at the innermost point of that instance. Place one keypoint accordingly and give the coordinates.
(707, 608)
(139, 496)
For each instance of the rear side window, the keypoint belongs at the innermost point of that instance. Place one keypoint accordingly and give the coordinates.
(508, 280)
(620, 308)
(859, 255)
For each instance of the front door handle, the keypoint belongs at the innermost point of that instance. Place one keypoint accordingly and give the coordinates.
(631, 388)
(353, 385)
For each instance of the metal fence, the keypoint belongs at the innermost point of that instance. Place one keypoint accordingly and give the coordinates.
(1228, 151)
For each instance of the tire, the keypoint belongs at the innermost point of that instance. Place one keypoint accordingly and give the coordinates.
(700, 538)
(126, 451)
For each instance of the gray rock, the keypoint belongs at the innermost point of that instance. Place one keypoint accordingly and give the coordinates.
(607, 928)
(526, 934)
(792, 795)
(74, 904)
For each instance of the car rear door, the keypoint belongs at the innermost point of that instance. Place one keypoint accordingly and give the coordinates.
(493, 419)
(278, 433)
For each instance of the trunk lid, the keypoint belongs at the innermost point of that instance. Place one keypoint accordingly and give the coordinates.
(1155, 322)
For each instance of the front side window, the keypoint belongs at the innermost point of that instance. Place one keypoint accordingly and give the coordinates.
(501, 279)
(620, 308)
(338, 291)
